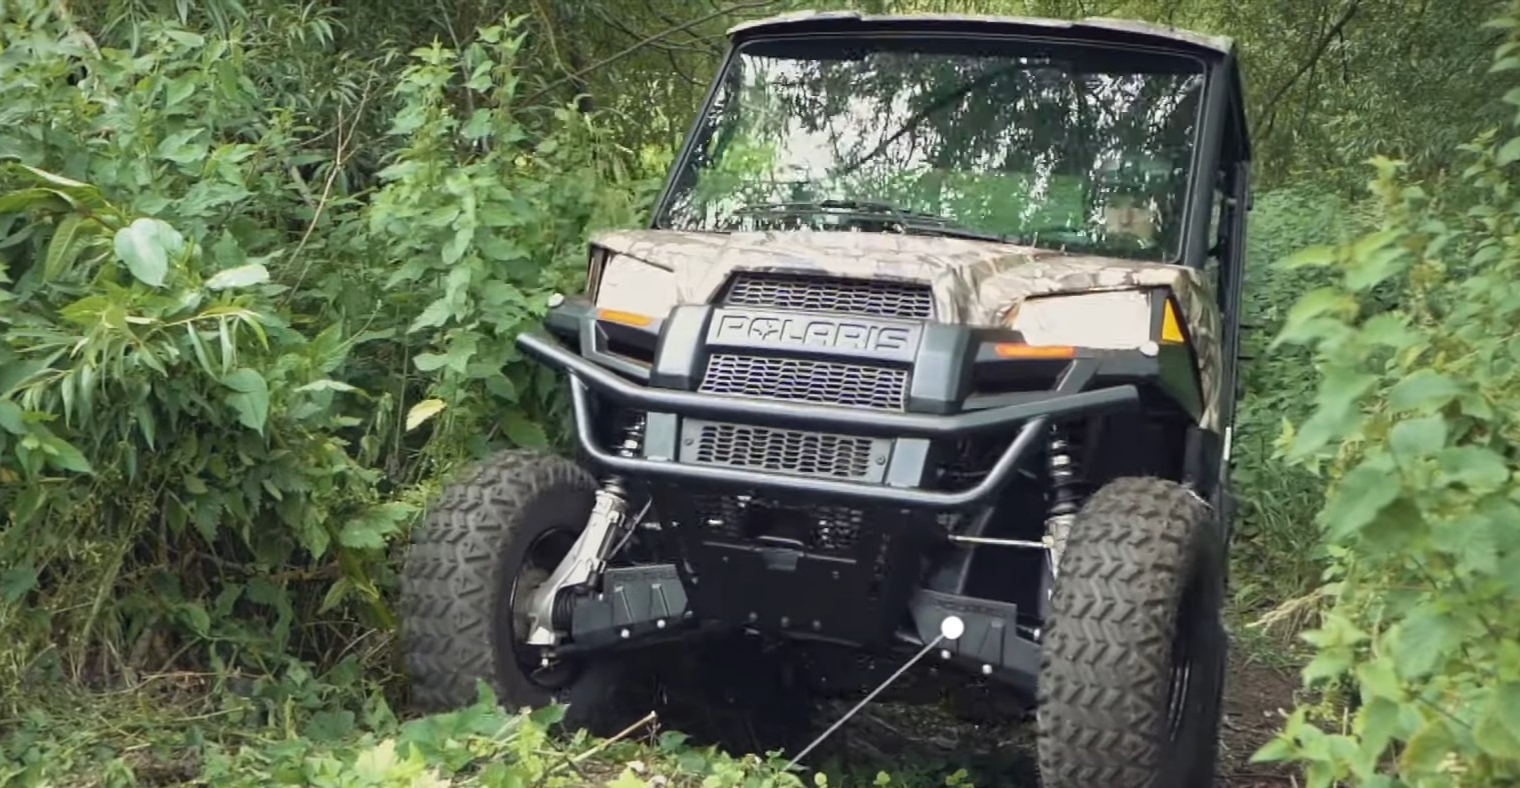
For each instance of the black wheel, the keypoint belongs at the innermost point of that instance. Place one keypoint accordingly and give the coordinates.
(489, 540)
(1133, 659)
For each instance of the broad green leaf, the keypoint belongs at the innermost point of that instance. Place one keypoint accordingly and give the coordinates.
(430, 362)
(65, 456)
(241, 276)
(314, 536)
(1379, 717)
(196, 618)
(1336, 412)
(181, 149)
(1362, 494)
(436, 314)
(1280, 748)
(1417, 437)
(145, 246)
(420, 413)
(17, 581)
(1474, 467)
(179, 89)
(12, 418)
(369, 530)
(1374, 263)
(1378, 680)
(249, 397)
(1493, 734)
(461, 350)
(25, 200)
(522, 432)
(1391, 329)
(502, 386)
(60, 247)
(1328, 664)
(455, 249)
(1422, 641)
(1509, 152)
(1423, 390)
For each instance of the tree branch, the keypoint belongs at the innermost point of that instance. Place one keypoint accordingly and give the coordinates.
(646, 42)
(1323, 44)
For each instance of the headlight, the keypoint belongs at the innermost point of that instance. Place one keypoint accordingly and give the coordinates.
(627, 285)
(1110, 319)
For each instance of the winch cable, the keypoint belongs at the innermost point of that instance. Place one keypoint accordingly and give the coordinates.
(950, 629)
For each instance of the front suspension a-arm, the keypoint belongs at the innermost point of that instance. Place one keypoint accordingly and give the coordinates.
(584, 563)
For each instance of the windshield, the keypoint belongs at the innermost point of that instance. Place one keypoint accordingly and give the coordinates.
(1079, 149)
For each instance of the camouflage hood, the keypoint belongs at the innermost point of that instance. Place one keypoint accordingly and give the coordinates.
(974, 282)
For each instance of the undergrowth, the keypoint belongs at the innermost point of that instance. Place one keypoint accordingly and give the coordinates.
(180, 732)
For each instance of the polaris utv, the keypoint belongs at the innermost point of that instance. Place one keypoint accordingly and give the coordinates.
(936, 318)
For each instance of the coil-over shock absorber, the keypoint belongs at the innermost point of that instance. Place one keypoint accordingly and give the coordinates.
(1065, 492)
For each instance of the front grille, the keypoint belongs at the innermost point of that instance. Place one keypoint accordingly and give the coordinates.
(785, 451)
(880, 298)
(801, 380)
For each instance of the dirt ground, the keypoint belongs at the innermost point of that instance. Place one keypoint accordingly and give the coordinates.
(922, 746)
(1257, 699)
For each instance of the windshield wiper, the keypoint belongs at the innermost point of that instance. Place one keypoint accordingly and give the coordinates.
(909, 220)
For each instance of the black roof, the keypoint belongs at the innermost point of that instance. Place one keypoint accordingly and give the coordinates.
(1094, 29)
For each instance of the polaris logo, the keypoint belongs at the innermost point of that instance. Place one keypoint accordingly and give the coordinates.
(851, 336)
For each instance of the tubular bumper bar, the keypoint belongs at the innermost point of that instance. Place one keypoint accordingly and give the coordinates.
(1030, 417)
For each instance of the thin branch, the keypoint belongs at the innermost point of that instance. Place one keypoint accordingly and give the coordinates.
(1266, 123)
(673, 48)
(646, 42)
(341, 155)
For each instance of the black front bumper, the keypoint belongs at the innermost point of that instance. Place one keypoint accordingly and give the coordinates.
(962, 387)
(944, 357)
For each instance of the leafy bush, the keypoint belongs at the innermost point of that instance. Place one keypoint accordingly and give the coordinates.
(1276, 500)
(228, 379)
(1416, 423)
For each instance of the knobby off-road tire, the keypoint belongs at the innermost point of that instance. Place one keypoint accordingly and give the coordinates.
(457, 588)
(1142, 573)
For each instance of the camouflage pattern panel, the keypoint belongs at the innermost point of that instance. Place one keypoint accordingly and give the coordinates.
(974, 282)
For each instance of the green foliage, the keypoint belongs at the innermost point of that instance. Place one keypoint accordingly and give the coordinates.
(228, 380)
(180, 737)
(1415, 418)
(481, 223)
(1273, 524)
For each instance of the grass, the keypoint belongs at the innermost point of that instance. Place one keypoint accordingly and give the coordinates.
(186, 729)
(176, 731)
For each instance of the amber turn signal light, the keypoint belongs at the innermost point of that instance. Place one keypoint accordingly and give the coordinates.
(1020, 350)
(624, 318)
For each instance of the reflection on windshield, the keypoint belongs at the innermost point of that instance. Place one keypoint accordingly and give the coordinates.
(1073, 153)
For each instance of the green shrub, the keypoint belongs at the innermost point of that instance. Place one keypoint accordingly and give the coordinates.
(229, 378)
(1416, 421)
